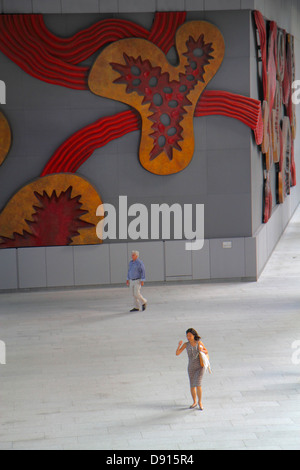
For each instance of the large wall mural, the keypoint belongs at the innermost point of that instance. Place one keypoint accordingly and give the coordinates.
(277, 58)
(59, 207)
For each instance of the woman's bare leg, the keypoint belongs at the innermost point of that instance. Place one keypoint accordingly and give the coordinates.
(194, 396)
(199, 394)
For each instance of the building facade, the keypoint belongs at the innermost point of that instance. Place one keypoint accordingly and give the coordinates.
(226, 175)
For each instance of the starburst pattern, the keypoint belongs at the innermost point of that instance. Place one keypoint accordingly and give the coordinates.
(56, 221)
(167, 99)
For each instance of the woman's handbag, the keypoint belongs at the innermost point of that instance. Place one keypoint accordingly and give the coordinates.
(204, 359)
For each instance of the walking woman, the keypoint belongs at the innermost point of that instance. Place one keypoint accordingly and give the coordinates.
(195, 367)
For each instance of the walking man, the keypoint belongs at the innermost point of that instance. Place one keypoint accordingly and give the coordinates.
(136, 279)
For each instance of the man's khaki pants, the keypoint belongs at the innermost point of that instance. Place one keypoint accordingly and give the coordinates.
(135, 287)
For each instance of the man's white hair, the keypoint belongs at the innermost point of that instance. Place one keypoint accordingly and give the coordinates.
(134, 252)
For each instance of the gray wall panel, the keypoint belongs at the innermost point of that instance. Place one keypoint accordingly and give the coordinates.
(44, 6)
(91, 265)
(201, 262)
(231, 134)
(79, 6)
(8, 269)
(227, 262)
(143, 5)
(274, 229)
(248, 4)
(168, 5)
(233, 76)
(262, 248)
(178, 259)
(251, 258)
(226, 21)
(194, 5)
(32, 267)
(221, 5)
(109, 6)
(14, 6)
(228, 171)
(60, 266)
(230, 212)
(118, 262)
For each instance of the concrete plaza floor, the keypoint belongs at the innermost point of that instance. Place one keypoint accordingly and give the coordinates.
(83, 373)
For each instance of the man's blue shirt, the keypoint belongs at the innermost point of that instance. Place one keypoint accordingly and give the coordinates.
(136, 270)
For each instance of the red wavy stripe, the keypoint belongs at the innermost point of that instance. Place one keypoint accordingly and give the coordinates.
(96, 140)
(75, 150)
(80, 146)
(213, 107)
(246, 110)
(164, 29)
(262, 32)
(85, 43)
(39, 54)
(32, 61)
(26, 40)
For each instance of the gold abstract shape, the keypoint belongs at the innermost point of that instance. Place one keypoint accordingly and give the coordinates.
(20, 207)
(104, 80)
(5, 138)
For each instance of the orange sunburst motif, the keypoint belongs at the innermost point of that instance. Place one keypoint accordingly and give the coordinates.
(55, 210)
(56, 221)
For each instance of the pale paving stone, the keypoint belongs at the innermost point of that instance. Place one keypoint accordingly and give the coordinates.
(84, 373)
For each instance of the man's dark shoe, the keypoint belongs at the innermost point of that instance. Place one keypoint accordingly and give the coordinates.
(144, 306)
(134, 310)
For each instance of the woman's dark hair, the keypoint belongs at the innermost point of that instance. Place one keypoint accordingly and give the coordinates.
(194, 333)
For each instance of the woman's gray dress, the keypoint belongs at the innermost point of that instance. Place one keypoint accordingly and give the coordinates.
(195, 370)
